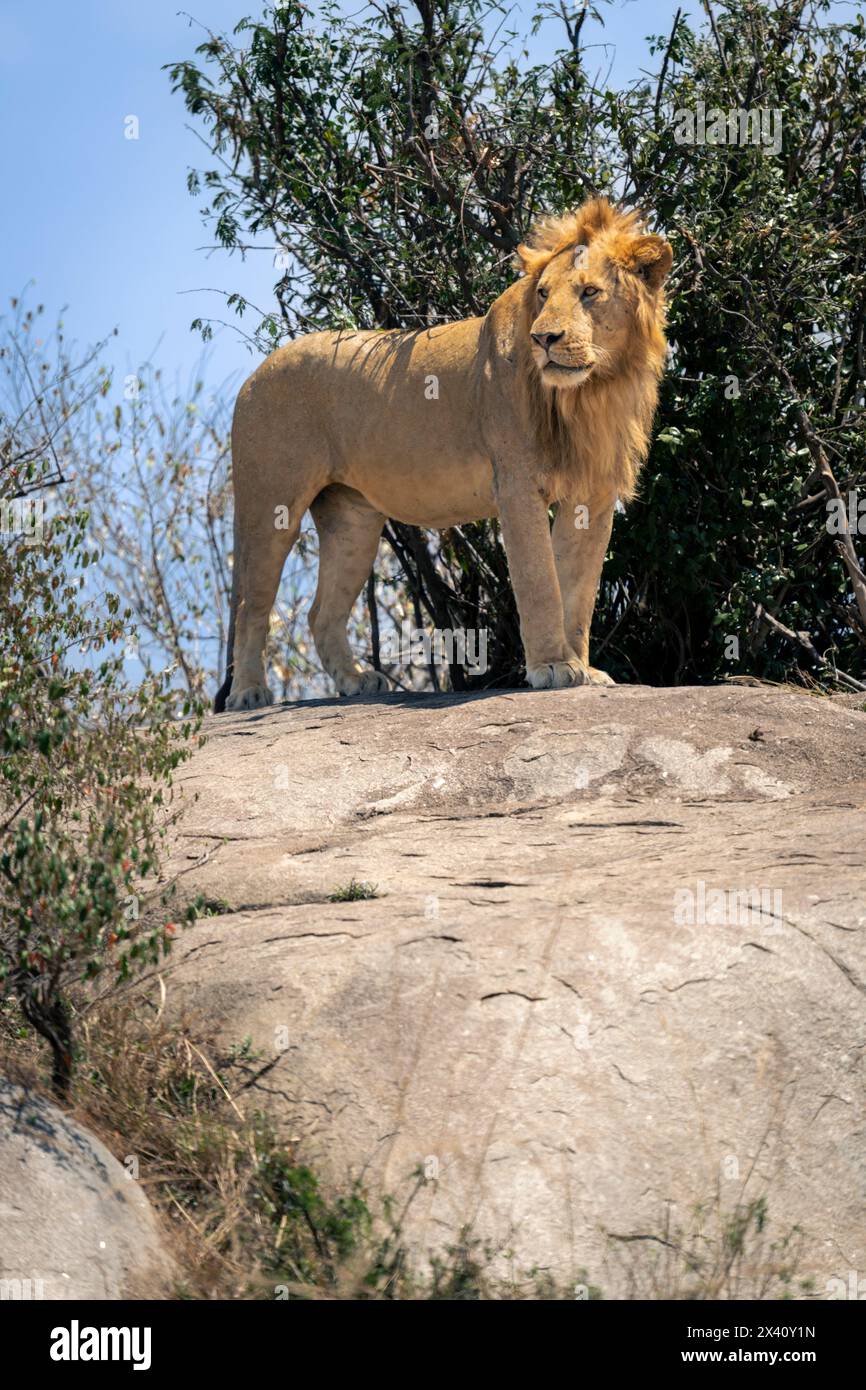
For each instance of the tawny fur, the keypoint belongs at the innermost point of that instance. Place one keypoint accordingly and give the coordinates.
(547, 398)
(604, 428)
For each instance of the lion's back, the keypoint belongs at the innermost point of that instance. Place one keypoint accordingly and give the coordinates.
(369, 385)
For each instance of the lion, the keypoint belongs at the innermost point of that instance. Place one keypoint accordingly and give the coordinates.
(546, 400)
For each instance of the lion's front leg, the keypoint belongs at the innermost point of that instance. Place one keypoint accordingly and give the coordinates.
(581, 533)
(523, 516)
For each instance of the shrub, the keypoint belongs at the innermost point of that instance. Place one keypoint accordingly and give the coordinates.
(399, 158)
(86, 760)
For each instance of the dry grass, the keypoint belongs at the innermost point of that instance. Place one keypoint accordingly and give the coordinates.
(246, 1219)
(722, 1253)
(243, 1216)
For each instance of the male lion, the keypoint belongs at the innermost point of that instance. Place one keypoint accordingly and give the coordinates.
(548, 398)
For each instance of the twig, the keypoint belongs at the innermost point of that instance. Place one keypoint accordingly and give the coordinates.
(804, 640)
(663, 73)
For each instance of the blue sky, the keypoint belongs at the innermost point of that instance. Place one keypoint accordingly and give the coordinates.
(104, 224)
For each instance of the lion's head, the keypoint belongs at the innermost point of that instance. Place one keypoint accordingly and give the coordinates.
(595, 302)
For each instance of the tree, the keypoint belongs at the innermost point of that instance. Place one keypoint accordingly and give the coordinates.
(398, 159)
(86, 760)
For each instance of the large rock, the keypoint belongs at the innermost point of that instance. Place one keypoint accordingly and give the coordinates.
(73, 1224)
(549, 1006)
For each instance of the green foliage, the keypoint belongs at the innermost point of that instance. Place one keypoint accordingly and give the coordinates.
(723, 1251)
(252, 1219)
(400, 156)
(289, 1198)
(86, 762)
(354, 891)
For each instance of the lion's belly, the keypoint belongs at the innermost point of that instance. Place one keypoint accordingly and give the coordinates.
(406, 488)
(395, 416)
(404, 423)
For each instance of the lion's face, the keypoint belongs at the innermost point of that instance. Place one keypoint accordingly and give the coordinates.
(592, 301)
(582, 319)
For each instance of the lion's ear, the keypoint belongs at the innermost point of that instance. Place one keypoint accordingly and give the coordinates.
(650, 257)
(530, 260)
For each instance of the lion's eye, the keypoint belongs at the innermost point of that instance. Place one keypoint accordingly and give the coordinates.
(543, 291)
(590, 291)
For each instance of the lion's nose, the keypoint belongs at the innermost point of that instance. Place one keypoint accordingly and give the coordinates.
(546, 340)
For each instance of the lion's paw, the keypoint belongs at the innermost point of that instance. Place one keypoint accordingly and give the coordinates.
(253, 697)
(597, 677)
(555, 675)
(364, 683)
(374, 683)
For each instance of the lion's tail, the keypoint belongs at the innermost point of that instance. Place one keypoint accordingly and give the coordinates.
(222, 694)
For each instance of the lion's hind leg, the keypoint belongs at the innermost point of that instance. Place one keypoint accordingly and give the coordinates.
(349, 529)
(259, 561)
